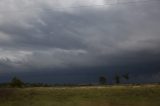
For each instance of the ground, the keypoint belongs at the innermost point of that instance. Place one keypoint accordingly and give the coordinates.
(144, 95)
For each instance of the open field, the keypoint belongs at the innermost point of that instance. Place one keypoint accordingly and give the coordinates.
(147, 95)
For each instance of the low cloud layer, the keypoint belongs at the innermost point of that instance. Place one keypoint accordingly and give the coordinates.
(50, 34)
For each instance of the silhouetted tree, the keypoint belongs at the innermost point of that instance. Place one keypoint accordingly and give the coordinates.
(126, 76)
(102, 80)
(117, 78)
(15, 82)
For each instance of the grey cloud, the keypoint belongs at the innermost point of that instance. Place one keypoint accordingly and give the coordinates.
(44, 37)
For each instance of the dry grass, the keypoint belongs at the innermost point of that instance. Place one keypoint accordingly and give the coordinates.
(148, 95)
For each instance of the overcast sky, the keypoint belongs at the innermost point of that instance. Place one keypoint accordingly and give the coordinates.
(84, 38)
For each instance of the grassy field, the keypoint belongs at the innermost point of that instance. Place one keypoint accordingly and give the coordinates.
(148, 95)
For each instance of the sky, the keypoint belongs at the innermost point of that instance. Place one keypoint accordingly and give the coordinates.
(76, 41)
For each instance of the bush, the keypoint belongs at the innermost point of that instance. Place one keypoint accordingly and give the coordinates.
(15, 82)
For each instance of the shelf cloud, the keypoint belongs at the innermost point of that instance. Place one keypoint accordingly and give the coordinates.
(40, 35)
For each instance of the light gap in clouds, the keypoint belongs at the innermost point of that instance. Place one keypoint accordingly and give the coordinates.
(23, 5)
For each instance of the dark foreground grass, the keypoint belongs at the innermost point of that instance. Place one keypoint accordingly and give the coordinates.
(82, 96)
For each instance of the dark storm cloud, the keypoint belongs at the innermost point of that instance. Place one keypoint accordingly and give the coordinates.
(38, 36)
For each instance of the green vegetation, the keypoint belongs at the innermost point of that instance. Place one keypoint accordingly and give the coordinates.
(140, 95)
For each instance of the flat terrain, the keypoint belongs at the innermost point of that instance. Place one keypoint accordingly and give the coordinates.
(146, 95)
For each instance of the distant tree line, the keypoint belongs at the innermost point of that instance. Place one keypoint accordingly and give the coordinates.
(103, 80)
(117, 78)
(16, 82)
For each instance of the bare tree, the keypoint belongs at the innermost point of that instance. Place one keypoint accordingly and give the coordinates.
(102, 80)
(126, 76)
(117, 79)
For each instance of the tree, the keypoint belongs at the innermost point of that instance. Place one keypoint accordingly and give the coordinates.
(117, 78)
(102, 80)
(15, 82)
(126, 76)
